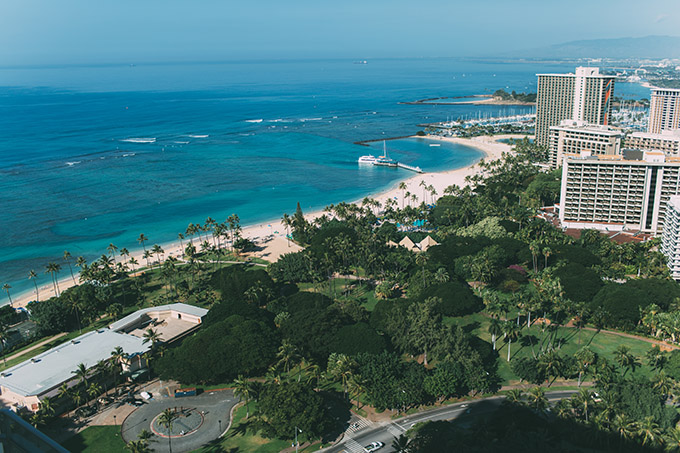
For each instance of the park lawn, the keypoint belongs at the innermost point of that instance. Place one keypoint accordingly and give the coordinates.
(602, 343)
(96, 439)
(240, 438)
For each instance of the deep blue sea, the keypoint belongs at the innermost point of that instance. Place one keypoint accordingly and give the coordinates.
(92, 155)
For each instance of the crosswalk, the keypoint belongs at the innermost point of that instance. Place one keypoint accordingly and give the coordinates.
(352, 446)
(395, 430)
(357, 425)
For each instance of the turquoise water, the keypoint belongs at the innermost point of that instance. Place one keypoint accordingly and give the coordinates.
(97, 155)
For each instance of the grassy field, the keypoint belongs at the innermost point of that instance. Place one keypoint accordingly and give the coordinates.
(602, 343)
(239, 438)
(96, 439)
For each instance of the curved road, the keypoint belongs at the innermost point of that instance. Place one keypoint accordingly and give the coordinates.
(386, 432)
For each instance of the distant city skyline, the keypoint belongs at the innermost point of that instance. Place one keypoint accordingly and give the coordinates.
(78, 31)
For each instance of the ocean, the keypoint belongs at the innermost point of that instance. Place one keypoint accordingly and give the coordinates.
(93, 155)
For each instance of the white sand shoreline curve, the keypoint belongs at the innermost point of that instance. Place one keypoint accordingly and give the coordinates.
(275, 245)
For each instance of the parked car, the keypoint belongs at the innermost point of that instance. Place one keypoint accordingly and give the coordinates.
(85, 411)
(374, 446)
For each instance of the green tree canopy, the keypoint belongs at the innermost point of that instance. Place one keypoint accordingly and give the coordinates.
(288, 405)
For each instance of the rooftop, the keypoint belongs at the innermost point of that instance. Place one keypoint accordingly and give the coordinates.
(573, 125)
(134, 318)
(51, 368)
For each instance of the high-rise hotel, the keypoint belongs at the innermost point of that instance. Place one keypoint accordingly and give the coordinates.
(664, 110)
(585, 96)
(623, 192)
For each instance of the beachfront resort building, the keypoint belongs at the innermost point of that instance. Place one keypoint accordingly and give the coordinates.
(664, 110)
(615, 193)
(26, 384)
(670, 238)
(572, 137)
(583, 96)
(668, 141)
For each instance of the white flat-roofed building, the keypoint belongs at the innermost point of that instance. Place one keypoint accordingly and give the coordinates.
(670, 238)
(26, 384)
(585, 95)
(573, 137)
(667, 141)
(29, 382)
(664, 110)
(615, 193)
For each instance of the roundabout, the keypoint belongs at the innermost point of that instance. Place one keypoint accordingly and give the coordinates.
(187, 422)
(196, 421)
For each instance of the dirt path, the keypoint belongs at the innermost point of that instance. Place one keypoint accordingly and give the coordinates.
(35, 346)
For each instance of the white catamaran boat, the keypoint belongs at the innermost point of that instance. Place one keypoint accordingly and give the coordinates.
(385, 160)
(369, 159)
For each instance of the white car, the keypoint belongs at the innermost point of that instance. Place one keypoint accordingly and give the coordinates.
(145, 395)
(374, 446)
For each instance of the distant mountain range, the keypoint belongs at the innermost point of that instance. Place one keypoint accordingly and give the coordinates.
(619, 48)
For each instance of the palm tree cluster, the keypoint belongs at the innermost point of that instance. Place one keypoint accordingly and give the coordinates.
(89, 383)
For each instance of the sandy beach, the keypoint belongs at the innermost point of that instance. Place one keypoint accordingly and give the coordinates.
(270, 237)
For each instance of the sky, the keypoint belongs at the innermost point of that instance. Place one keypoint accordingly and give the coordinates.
(34, 32)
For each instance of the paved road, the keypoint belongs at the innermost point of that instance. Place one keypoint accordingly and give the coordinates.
(353, 442)
(215, 405)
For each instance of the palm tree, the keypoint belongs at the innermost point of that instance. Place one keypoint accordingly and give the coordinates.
(583, 400)
(650, 432)
(673, 438)
(94, 390)
(288, 353)
(514, 396)
(547, 251)
(77, 397)
(511, 332)
(81, 372)
(45, 407)
(626, 359)
(341, 366)
(585, 357)
(64, 392)
(624, 427)
(167, 419)
(67, 258)
(112, 251)
(138, 446)
(33, 276)
(243, 390)
(401, 444)
(118, 355)
(537, 399)
(134, 262)
(152, 336)
(441, 276)
(53, 269)
(656, 358)
(157, 250)
(4, 334)
(403, 187)
(534, 248)
(495, 329)
(7, 287)
(142, 239)
(421, 260)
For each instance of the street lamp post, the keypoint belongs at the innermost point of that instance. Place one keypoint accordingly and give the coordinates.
(296, 440)
(115, 423)
(220, 422)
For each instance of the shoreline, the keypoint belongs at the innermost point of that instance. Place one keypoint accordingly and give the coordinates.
(271, 246)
